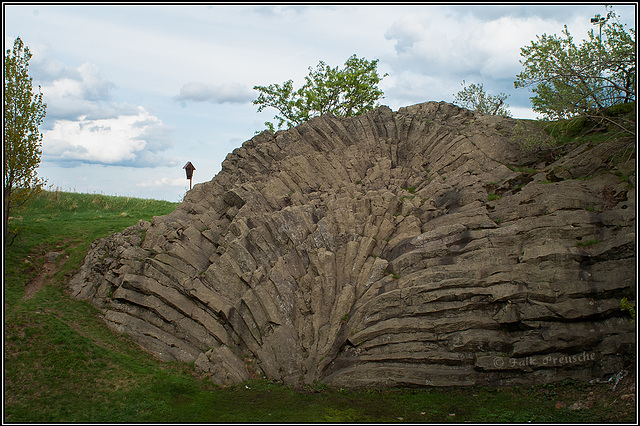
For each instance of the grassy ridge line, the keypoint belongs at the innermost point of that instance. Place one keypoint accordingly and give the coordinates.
(62, 364)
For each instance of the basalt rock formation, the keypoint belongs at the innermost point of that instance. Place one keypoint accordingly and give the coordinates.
(393, 248)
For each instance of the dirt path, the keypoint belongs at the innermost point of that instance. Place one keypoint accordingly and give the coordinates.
(47, 271)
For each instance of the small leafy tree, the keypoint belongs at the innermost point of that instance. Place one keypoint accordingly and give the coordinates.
(586, 80)
(345, 92)
(23, 114)
(476, 99)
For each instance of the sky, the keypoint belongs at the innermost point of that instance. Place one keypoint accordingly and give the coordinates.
(134, 92)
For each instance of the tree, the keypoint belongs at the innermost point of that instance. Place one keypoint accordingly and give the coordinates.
(23, 114)
(586, 80)
(474, 98)
(345, 92)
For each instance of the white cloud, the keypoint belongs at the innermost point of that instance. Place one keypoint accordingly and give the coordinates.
(84, 125)
(163, 183)
(438, 45)
(80, 92)
(132, 140)
(215, 93)
(409, 87)
(437, 48)
(94, 86)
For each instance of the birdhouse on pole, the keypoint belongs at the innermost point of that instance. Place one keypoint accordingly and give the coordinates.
(189, 168)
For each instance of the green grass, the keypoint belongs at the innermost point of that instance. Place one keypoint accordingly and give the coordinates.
(62, 364)
(68, 223)
(587, 243)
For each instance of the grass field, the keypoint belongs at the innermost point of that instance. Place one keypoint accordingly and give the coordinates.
(62, 364)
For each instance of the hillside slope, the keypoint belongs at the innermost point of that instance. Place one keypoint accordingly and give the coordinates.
(394, 248)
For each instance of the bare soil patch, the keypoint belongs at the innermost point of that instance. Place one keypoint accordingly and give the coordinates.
(48, 269)
(52, 262)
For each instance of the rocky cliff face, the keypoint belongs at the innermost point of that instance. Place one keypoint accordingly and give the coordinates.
(394, 248)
